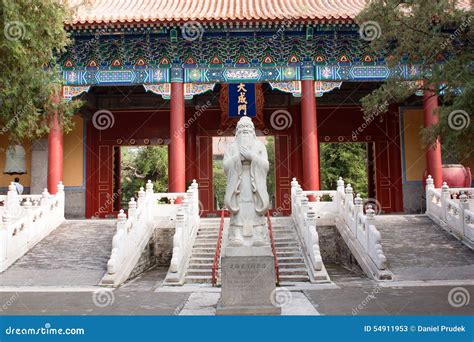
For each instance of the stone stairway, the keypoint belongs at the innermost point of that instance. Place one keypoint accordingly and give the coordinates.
(290, 258)
(418, 249)
(74, 254)
(202, 255)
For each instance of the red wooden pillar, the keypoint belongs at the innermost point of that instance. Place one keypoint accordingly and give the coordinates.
(191, 152)
(433, 153)
(55, 150)
(309, 130)
(177, 149)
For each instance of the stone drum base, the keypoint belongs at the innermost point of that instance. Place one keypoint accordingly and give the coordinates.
(248, 281)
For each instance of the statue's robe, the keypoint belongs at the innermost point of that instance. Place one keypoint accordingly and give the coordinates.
(246, 195)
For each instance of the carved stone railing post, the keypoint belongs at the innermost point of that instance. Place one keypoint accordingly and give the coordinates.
(132, 209)
(12, 205)
(27, 207)
(369, 221)
(358, 209)
(463, 206)
(349, 197)
(340, 195)
(429, 187)
(445, 196)
(176, 259)
(118, 244)
(45, 198)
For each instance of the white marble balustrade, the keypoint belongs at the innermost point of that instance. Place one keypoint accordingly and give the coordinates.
(26, 220)
(452, 208)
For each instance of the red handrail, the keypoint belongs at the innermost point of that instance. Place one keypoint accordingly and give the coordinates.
(217, 254)
(272, 241)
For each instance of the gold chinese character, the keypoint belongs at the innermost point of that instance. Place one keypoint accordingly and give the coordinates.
(242, 98)
(242, 108)
(241, 88)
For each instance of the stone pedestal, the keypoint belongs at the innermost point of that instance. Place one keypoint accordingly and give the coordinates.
(248, 281)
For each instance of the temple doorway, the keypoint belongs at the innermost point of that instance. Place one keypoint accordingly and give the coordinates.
(351, 160)
(138, 164)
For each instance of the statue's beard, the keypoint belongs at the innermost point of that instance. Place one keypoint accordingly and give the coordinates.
(246, 140)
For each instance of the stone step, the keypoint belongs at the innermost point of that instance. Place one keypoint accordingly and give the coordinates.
(198, 279)
(200, 266)
(288, 279)
(200, 249)
(207, 236)
(293, 271)
(203, 255)
(286, 244)
(288, 254)
(208, 230)
(284, 265)
(288, 248)
(199, 272)
(195, 260)
(285, 240)
(289, 259)
(205, 245)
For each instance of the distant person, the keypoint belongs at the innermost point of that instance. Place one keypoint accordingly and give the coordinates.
(18, 186)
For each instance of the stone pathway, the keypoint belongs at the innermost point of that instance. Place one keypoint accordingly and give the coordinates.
(417, 249)
(75, 254)
(295, 303)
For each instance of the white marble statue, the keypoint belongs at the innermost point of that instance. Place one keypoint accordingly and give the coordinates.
(246, 197)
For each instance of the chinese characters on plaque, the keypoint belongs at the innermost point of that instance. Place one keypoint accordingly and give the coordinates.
(242, 100)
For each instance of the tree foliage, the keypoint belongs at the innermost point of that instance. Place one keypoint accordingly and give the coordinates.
(347, 160)
(32, 36)
(437, 36)
(140, 164)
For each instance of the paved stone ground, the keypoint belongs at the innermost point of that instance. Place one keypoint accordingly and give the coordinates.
(137, 297)
(417, 249)
(371, 299)
(140, 297)
(427, 262)
(75, 254)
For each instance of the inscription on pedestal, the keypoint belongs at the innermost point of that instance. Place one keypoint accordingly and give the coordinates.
(247, 281)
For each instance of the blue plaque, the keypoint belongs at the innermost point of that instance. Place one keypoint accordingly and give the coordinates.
(242, 100)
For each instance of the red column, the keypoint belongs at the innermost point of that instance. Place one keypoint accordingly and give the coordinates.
(309, 130)
(55, 151)
(433, 153)
(177, 150)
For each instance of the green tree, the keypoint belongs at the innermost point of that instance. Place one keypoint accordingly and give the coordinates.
(347, 160)
(140, 164)
(437, 36)
(32, 36)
